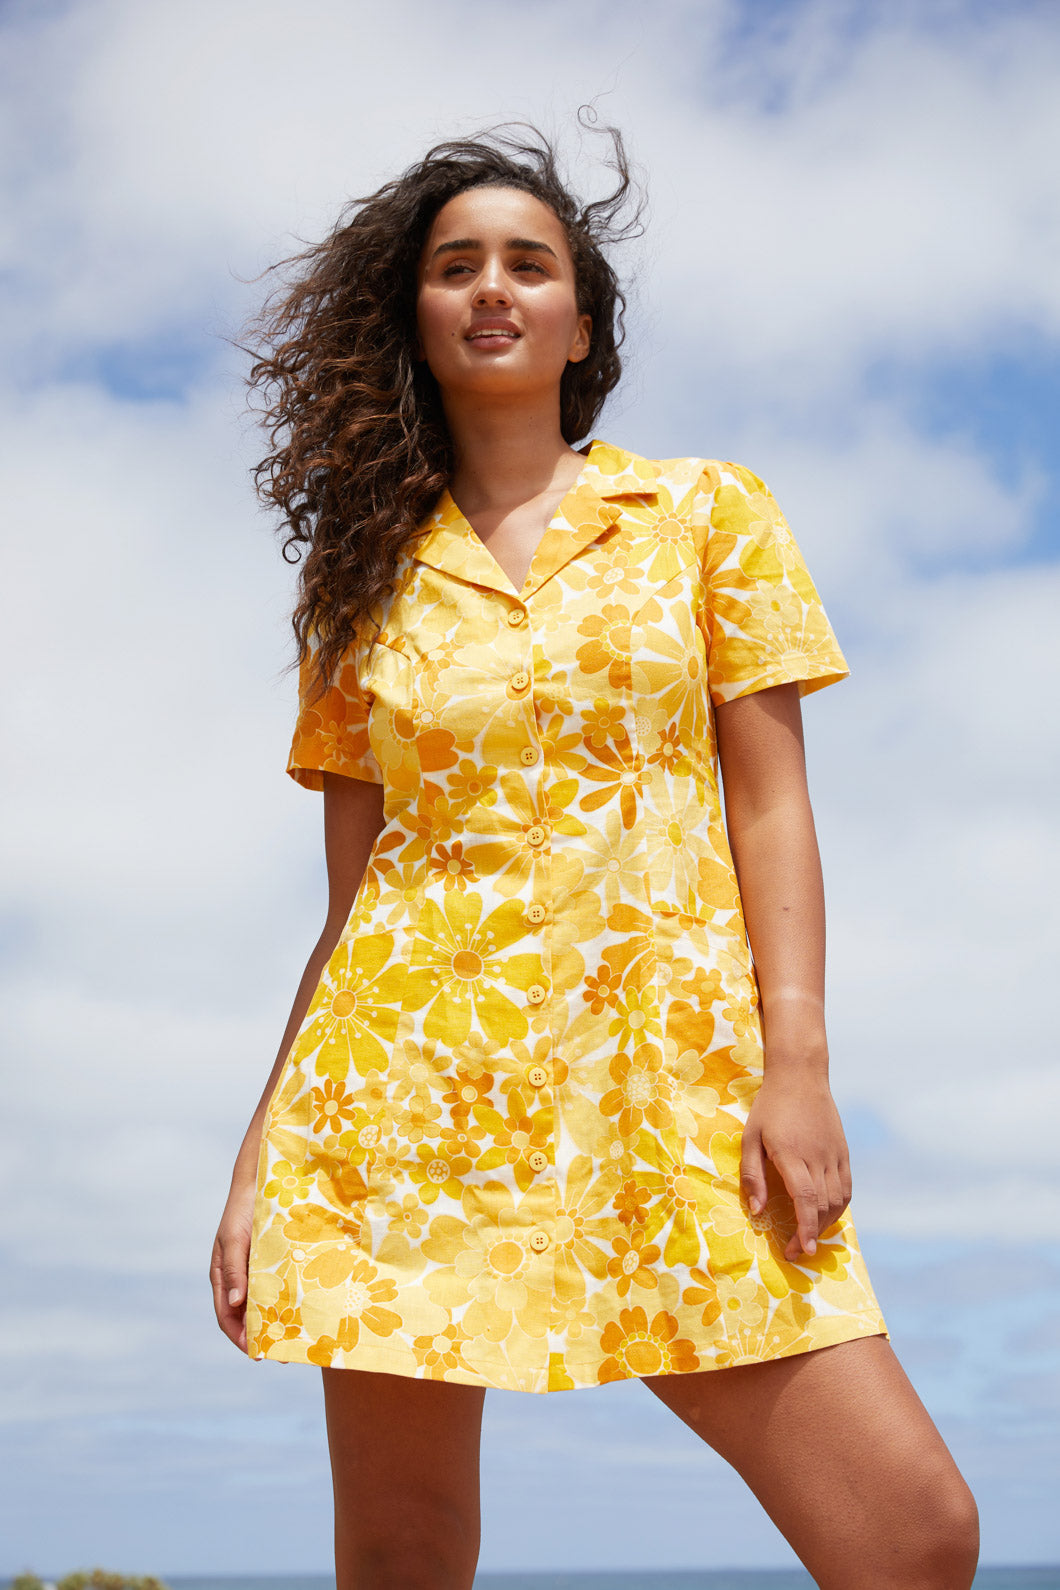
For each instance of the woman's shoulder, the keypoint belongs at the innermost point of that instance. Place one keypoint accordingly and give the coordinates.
(681, 475)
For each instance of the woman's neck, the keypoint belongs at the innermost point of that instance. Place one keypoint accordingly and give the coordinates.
(504, 459)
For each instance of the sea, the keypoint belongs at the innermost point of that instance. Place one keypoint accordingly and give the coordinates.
(1039, 1578)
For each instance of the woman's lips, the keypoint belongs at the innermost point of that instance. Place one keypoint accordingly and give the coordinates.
(493, 334)
(493, 339)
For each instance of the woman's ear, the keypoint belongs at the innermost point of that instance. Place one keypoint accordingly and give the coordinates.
(582, 340)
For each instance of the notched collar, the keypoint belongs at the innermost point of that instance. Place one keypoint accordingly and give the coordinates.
(586, 512)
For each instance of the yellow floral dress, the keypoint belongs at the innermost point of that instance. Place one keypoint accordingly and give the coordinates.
(504, 1148)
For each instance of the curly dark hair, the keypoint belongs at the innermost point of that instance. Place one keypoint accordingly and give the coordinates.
(360, 452)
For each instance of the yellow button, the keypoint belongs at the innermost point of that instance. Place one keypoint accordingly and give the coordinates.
(535, 835)
(536, 993)
(537, 1159)
(516, 616)
(520, 680)
(539, 1241)
(537, 1076)
(528, 755)
(536, 912)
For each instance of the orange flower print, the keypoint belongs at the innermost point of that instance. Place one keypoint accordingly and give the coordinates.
(641, 1092)
(604, 724)
(607, 647)
(619, 775)
(472, 1085)
(669, 754)
(515, 1139)
(633, 1261)
(631, 1203)
(470, 783)
(602, 988)
(277, 1325)
(635, 1347)
(457, 872)
(332, 1106)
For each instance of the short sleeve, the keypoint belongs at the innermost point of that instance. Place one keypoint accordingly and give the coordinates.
(767, 625)
(331, 732)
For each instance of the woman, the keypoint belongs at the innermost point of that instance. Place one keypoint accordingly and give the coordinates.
(521, 1130)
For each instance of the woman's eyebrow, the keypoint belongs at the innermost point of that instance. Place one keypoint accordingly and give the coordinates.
(459, 244)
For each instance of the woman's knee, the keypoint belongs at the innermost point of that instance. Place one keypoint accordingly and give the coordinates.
(942, 1543)
(956, 1535)
(431, 1545)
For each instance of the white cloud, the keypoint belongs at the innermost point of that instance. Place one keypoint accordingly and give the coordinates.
(182, 142)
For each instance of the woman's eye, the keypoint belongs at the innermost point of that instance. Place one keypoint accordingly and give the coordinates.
(458, 265)
(531, 265)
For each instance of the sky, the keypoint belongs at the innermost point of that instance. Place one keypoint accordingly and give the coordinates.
(850, 283)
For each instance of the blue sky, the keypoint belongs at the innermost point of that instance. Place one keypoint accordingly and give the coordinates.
(851, 284)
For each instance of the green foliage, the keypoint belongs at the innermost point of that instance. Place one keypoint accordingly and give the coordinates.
(96, 1579)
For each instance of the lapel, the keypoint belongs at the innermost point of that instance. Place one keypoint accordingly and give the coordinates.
(586, 512)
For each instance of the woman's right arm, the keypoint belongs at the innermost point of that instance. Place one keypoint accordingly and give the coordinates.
(353, 818)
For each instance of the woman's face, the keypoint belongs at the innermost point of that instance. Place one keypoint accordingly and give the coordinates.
(496, 307)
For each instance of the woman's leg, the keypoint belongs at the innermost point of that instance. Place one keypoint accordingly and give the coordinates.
(840, 1451)
(404, 1462)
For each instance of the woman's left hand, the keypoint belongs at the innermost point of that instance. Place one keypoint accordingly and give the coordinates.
(794, 1123)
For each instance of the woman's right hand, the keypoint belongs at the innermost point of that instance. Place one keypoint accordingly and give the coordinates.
(228, 1266)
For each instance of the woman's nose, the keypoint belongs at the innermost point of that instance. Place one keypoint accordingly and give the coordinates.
(492, 288)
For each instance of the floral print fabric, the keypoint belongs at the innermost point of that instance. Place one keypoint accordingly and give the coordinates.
(504, 1148)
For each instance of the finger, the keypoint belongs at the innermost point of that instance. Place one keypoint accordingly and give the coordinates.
(802, 1190)
(753, 1172)
(233, 1322)
(234, 1265)
(836, 1202)
(228, 1272)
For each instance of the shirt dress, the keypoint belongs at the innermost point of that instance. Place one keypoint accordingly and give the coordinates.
(504, 1148)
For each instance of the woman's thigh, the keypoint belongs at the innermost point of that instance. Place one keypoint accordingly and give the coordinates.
(843, 1456)
(405, 1468)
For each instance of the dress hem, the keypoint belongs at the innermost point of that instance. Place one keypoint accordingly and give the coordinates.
(841, 1328)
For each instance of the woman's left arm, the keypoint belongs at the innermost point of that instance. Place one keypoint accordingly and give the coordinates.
(793, 1121)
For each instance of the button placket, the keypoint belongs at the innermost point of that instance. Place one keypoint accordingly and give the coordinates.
(538, 1077)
